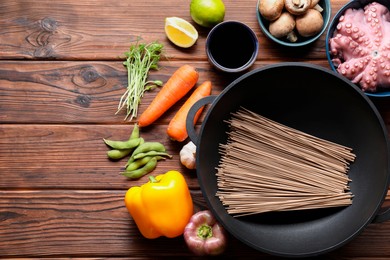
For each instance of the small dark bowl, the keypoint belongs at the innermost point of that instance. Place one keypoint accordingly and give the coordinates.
(302, 41)
(355, 4)
(227, 36)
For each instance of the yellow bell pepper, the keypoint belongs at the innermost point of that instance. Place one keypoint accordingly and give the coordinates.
(161, 207)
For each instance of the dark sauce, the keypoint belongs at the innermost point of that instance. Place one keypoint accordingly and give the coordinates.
(232, 46)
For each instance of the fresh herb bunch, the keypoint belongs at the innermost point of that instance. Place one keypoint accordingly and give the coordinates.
(140, 59)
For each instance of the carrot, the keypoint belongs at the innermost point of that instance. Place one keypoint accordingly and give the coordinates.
(178, 85)
(177, 127)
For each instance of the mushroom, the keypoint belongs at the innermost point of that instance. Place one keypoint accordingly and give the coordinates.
(284, 26)
(309, 23)
(315, 5)
(271, 9)
(297, 7)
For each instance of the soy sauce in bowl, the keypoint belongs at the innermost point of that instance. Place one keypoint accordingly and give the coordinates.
(232, 46)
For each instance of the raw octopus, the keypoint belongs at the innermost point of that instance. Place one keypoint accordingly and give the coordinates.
(360, 46)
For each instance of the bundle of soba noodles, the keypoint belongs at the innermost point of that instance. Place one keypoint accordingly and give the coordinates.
(266, 166)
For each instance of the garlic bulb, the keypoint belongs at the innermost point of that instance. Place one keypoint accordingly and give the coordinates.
(188, 155)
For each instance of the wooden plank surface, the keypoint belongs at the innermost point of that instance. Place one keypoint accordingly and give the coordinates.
(92, 223)
(61, 77)
(39, 92)
(102, 30)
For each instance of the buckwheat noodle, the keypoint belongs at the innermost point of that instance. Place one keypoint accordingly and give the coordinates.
(266, 166)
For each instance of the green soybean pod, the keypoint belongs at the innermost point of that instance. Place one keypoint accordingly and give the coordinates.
(142, 141)
(149, 146)
(131, 159)
(135, 132)
(151, 153)
(141, 162)
(122, 145)
(147, 168)
(118, 154)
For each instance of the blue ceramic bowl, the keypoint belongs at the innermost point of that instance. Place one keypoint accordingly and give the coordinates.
(355, 4)
(302, 41)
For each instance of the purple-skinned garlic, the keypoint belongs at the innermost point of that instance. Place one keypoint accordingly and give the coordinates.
(360, 46)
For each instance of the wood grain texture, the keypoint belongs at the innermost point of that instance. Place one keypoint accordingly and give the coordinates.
(74, 157)
(101, 30)
(96, 223)
(85, 223)
(59, 92)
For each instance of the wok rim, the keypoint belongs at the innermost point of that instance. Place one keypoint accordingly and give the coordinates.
(384, 134)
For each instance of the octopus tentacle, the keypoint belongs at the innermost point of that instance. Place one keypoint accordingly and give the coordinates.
(360, 46)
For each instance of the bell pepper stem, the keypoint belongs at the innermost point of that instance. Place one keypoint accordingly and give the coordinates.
(205, 231)
(152, 179)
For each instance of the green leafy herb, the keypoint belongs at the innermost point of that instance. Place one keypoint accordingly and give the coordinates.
(140, 59)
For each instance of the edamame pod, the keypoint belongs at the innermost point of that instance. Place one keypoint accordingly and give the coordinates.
(146, 147)
(141, 162)
(151, 153)
(122, 145)
(118, 154)
(131, 159)
(142, 141)
(136, 174)
(135, 132)
(149, 146)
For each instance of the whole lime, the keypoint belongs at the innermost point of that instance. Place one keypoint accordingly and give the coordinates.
(207, 13)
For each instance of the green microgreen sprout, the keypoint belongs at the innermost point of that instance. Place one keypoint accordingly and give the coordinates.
(140, 59)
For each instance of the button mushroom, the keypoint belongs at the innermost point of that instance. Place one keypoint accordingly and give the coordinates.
(284, 27)
(297, 7)
(271, 9)
(315, 5)
(309, 23)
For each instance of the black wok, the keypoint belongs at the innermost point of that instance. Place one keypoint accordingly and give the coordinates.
(319, 102)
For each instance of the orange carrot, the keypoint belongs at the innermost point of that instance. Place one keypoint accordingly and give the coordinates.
(177, 127)
(179, 84)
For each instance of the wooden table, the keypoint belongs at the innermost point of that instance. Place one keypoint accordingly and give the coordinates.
(61, 77)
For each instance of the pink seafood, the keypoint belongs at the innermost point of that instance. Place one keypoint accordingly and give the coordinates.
(360, 46)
